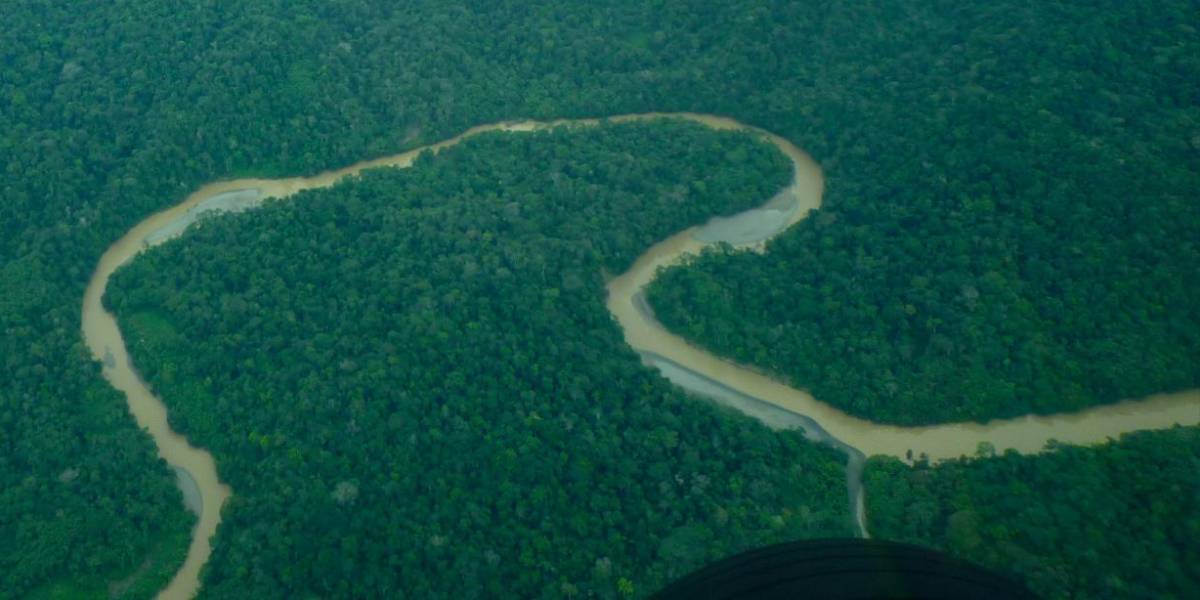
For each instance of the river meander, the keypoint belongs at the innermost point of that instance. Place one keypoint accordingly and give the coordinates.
(744, 388)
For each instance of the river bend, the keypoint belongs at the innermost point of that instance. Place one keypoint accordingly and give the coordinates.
(744, 388)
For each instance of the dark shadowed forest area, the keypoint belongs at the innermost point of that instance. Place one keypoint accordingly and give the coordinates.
(1115, 521)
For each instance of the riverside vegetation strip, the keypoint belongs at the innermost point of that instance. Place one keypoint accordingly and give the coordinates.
(640, 330)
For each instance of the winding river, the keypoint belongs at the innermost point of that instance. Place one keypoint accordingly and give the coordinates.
(744, 388)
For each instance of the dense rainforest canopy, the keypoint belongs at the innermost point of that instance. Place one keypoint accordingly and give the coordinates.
(1043, 258)
(412, 383)
(109, 111)
(1115, 521)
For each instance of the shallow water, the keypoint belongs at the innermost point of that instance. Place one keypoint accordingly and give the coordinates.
(753, 226)
(232, 201)
(191, 492)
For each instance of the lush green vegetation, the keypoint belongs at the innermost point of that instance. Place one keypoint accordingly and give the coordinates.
(111, 110)
(412, 383)
(1031, 244)
(1114, 521)
(164, 554)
